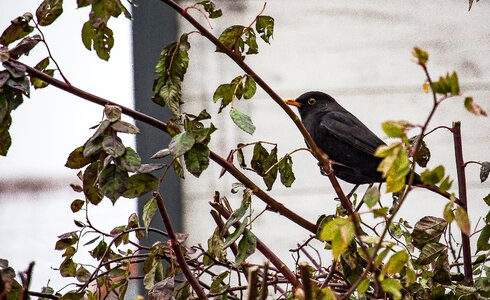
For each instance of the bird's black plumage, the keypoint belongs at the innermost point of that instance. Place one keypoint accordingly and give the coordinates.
(349, 144)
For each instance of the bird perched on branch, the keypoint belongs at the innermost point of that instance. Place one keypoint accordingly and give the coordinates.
(349, 144)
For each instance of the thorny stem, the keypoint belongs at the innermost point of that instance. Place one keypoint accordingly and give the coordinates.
(275, 205)
(174, 243)
(465, 239)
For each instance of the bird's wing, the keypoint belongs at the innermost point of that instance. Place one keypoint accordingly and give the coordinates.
(348, 129)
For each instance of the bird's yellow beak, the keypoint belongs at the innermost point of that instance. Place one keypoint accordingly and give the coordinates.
(292, 102)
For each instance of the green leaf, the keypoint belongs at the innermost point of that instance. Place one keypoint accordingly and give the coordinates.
(171, 68)
(265, 27)
(453, 83)
(394, 166)
(15, 69)
(421, 55)
(90, 186)
(429, 253)
(76, 159)
(103, 42)
(5, 135)
(178, 168)
(140, 184)
(18, 29)
(239, 213)
(25, 46)
(113, 145)
(171, 95)
(428, 230)
(442, 269)
(474, 108)
(487, 200)
(149, 210)
(259, 155)
(225, 93)
(340, 232)
(251, 42)
(432, 176)
(215, 246)
(49, 11)
(83, 275)
(249, 88)
(271, 168)
(125, 127)
(231, 238)
(231, 37)
(286, 171)
(483, 240)
(446, 184)
(197, 159)
(396, 263)
(484, 170)
(181, 143)
(130, 161)
(113, 182)
(372, 196)
(210, 8)
(68, 268)
(448, 212)
(393, 287)
(88, 33)
(76, 205)
(462, 220)
(112, 112)
(218, 286)
(243, 121)
(396, 128)
(246, 247)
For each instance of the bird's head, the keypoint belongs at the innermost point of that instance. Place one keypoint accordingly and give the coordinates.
(313, 102)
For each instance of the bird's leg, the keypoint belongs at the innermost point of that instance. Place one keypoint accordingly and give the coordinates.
(322, 170)
(362, 200)
(352, 191)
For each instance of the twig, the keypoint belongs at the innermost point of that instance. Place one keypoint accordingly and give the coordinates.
(263, 285)
(438, 127)
(26, 281)
(471, 162)
(252, 283)
(465, 239)
(49, 51)
(305, 278)
(41, 295)
(176, 247)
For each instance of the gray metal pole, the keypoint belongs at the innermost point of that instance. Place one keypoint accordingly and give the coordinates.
(154, 26)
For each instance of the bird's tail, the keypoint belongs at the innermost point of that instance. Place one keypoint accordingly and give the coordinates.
(434, 188)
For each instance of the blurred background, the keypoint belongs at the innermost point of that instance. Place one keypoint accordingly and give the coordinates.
(357, 51)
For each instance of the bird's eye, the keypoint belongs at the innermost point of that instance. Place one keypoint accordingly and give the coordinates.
(311, 101)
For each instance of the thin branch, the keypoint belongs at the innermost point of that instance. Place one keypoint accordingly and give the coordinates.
(41, 295)
(177, 250)
(465, 239)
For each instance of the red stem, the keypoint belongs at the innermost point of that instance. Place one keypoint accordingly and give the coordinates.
(465, 239)
(177, 250)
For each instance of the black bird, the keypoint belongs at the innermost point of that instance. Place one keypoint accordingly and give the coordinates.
(349, 144)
